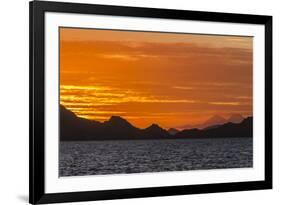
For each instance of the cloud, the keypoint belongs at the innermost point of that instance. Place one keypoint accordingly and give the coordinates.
(120, 57)
(122, 50)
(84, 99)
(84, 88)
(225, 103)
(244, 97)
(183, 87)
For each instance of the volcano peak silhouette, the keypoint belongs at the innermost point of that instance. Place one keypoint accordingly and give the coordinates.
(235, 118)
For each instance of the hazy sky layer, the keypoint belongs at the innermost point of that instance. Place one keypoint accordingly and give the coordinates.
(149, 77)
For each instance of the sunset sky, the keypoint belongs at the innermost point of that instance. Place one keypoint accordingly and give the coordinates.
(150, 77)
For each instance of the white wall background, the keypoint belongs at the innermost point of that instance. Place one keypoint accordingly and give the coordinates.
(14, 100)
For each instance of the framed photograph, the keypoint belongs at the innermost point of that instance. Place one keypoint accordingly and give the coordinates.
(130, 102)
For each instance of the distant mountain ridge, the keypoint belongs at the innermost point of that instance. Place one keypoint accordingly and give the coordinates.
(73, 128)
(215, 121)
(173, 131)
(235, 118)
(243, 129)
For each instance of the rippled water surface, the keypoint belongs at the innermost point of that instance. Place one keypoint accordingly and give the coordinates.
(113, 157)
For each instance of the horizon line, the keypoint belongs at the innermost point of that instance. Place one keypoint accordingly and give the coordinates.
(194, 126)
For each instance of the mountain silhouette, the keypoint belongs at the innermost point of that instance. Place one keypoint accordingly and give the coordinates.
(212, 121)
(154, 131)
(74, 128)
(229, 129)
(117, 127)
(235, 118)
(173, 131)
(215, 121)
(119, 122)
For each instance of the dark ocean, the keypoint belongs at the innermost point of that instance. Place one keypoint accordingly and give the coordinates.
(138, 156)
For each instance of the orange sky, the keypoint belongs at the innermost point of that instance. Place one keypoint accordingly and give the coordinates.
(149, 77)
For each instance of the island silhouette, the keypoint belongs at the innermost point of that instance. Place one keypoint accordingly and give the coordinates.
(74, 128)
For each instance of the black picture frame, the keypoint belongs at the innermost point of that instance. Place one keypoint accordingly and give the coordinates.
(37, 9)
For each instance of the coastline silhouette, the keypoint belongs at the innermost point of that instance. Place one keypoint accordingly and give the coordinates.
(74, 128)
